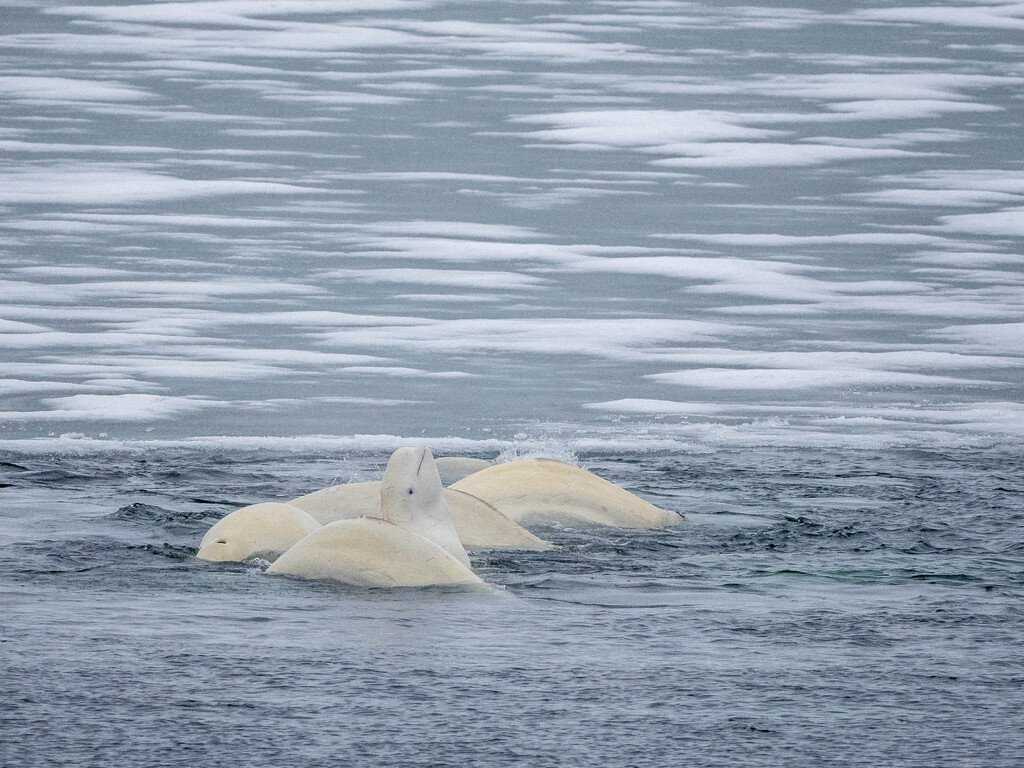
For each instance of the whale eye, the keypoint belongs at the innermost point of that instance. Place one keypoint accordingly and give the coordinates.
(221, 541)
(410, 491)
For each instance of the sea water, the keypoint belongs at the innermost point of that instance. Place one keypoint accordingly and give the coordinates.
(760, 264)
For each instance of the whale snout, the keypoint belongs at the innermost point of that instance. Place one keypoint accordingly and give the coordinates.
(216, 552)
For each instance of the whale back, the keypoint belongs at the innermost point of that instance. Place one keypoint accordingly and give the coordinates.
(412, 497)
(543, 491)
(478, 524)
(368, 552)
(482, 526)
(454, 468)
(341, 502)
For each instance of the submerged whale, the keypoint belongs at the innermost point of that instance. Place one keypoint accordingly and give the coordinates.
(410, 541)
(479, 524)
(544, 491)
(260, 530)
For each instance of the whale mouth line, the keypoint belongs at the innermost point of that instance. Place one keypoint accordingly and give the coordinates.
(423, 456)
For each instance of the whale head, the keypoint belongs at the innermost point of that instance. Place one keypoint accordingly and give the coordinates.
(260, 530)
(411, 487)
(412, 497)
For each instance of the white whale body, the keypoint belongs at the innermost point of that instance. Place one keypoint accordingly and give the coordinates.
(454, 468)
(368, 552)
(410, 541)
(261, 530)
(544, 491)
(479, 524)
(483, 526)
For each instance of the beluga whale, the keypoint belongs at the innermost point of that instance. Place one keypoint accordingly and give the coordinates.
(410, 540)
(260, 530)
(454, 468)
(544, 491)
(478, 524)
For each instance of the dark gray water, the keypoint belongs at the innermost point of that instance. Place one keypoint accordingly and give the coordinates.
(760, 263)
(839, 608)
